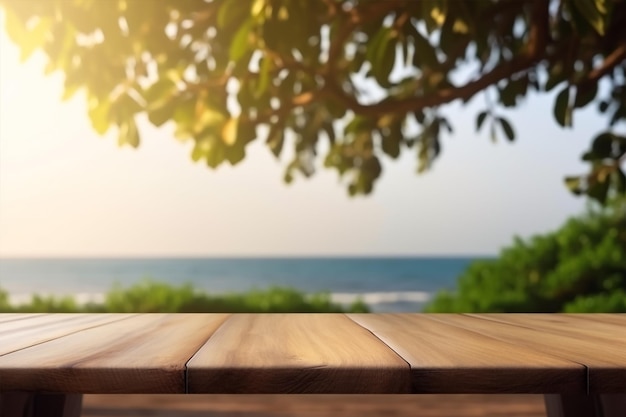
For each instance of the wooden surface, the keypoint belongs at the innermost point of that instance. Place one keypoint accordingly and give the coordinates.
(313, 353)
(296, 353)
(449, 359)
(137, 354)
(20, 332)
(600, 347)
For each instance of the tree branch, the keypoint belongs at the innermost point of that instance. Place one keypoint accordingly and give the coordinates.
(535, 50)
(610, 62)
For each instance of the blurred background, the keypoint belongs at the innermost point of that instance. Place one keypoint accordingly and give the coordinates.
(307, 222)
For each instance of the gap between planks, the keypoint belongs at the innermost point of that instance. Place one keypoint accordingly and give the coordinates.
(508, 323)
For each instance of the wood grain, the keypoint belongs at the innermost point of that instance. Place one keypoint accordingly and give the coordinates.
(619, 319)
(295, 353)
(571, 325)
(22, 332)
(445, 358)
(16, 316)
(141, 354)
(604, 360)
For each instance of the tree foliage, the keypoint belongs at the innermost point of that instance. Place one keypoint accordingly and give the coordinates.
(370, 78)
(157, 297)
(580, 268)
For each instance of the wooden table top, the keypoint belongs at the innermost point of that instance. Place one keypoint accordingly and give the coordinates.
(313, 353)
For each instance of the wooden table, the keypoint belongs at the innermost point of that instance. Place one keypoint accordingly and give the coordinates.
(48, 360)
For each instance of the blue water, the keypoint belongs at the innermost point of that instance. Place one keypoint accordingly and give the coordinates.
(386, 284)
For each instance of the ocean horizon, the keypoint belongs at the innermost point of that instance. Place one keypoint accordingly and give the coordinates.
(384, 283)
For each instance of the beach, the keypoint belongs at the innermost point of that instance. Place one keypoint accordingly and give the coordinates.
(461, 405)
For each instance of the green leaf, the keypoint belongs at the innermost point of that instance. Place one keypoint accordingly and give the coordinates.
(158, 116)
(200, 149)
(241, 41)
(602, 146)
(592, 11)
(620, 180)
(246, 131)
(16, 29)
(264, 76)
(508, 129)
(562, 108)
(427, 147)
(328, 127)
(69, 91)
(492, 131)
(590, 156)
(257, 7)
(460, 26)
(357, 124)
(573, 183)
(207, 117)
(600, 188)
(184, 115)
(444, 122)
(216, 154)
(129, 135)
(424, 55)
(229, 131)
(163, 89)
(391, 145)
(236, 153)
(513, 90)
(438, 15)
(160, 101)
(35, 38)
(556, 76)
(382, 54)
(603, 106)
(584, 96)
(230, 13)
(480, 119)
(276, 139)
(124, 107)
(100, 114)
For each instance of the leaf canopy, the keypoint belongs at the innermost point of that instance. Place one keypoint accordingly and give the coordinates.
(305, 71)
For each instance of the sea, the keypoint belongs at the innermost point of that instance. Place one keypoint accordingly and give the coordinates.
(385, 284)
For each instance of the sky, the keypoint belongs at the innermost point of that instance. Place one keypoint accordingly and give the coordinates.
(65, 191)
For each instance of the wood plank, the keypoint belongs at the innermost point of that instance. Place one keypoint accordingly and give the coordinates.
(572, 325)
(142, 354)
(15, 316)
(24, 332)
(614, 318)
(606, 361)
(295, 353)
(445, 358)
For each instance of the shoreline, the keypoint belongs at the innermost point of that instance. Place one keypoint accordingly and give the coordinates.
(380, 301)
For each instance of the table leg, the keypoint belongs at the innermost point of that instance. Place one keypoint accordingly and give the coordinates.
(28, 404)
(558, 405)
(600, 405)
(613, 405)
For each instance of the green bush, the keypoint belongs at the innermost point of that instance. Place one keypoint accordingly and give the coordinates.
(155, 297)
(4, 301)
(581, 267)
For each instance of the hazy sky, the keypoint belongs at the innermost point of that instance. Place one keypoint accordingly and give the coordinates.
(65, 191)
